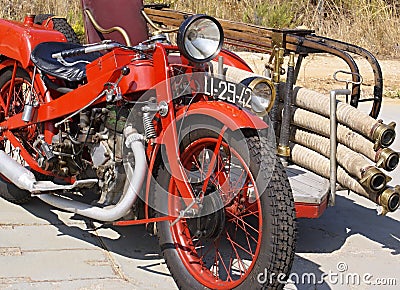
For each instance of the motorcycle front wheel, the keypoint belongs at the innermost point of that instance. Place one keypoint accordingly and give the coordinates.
(246, 236)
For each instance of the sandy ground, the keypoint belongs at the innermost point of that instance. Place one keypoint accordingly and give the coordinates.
(317, 72)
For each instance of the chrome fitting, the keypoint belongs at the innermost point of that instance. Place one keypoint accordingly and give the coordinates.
(131, 135)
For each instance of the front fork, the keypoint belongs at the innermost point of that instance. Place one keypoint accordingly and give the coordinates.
(170, 139)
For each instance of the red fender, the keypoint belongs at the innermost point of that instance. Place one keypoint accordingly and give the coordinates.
(234, 60)
(228, 114)
(7, 63)
(18, 39)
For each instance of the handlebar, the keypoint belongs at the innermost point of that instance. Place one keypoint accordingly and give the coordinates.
(85, 50)
(99, 47)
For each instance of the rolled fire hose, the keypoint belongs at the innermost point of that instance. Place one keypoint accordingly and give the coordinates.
(317, 163)
(383, 135)
(384, 157)
(367, 175)
(389, 199)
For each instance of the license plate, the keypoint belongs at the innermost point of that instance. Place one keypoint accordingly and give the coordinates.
(228, 91)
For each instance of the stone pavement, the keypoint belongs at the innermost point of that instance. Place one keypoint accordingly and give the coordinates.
(43, 248)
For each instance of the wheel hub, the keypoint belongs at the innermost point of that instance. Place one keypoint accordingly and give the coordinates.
(211, 222)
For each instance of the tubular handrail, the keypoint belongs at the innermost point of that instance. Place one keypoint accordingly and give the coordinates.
(109, 30)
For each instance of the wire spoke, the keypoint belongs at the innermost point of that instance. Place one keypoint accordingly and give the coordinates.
(226, 252)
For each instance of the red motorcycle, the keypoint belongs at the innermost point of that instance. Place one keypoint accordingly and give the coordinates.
(149, 133)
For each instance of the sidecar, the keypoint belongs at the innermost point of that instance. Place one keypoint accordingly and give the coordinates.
(296, 116)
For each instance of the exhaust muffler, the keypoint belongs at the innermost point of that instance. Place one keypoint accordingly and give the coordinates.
(16, 173)
(26, 180)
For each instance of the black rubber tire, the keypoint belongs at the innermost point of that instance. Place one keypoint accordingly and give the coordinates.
(9, 191)
(61, 25)
(279, 223)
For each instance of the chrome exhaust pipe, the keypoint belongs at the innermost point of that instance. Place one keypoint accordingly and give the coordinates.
(25, 180)
(134, 181)
(16, 173)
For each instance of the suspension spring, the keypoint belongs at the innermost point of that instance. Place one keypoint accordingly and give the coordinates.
(149, 130)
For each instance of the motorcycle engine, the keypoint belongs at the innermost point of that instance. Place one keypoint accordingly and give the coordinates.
(91, 146)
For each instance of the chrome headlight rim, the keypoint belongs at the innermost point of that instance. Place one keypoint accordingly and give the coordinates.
(184, 28)
(253, 84)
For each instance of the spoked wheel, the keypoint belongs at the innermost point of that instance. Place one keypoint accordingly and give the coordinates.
(246, 225)
(26, 136)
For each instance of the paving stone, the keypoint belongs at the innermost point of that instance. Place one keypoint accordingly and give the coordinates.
(55, 266)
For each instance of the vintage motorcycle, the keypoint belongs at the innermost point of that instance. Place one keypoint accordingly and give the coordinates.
(150, 133)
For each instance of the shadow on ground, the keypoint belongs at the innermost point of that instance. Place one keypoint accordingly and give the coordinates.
(328, 233)
(324, 235)
(131, 242)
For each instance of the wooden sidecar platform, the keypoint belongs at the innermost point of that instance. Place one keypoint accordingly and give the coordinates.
(310, 191)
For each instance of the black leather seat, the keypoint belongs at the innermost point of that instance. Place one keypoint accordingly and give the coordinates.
(72, 69)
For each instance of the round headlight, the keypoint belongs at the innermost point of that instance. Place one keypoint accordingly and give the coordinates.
(263, 96)
(200, 38)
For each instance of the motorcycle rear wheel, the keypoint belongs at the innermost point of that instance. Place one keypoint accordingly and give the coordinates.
(243, 240)
(21, 90)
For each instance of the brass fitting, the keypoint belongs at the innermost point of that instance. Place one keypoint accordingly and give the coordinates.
(278, 55)
(373, 179)
(291, 59)
(283, 151)
(387, 159)
(266, 89)
(383, 135)
(389, 199)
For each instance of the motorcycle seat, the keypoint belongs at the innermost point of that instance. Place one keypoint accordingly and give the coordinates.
(72, 69)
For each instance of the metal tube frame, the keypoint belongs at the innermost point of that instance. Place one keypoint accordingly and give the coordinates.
(301, 41)
(333, 143)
